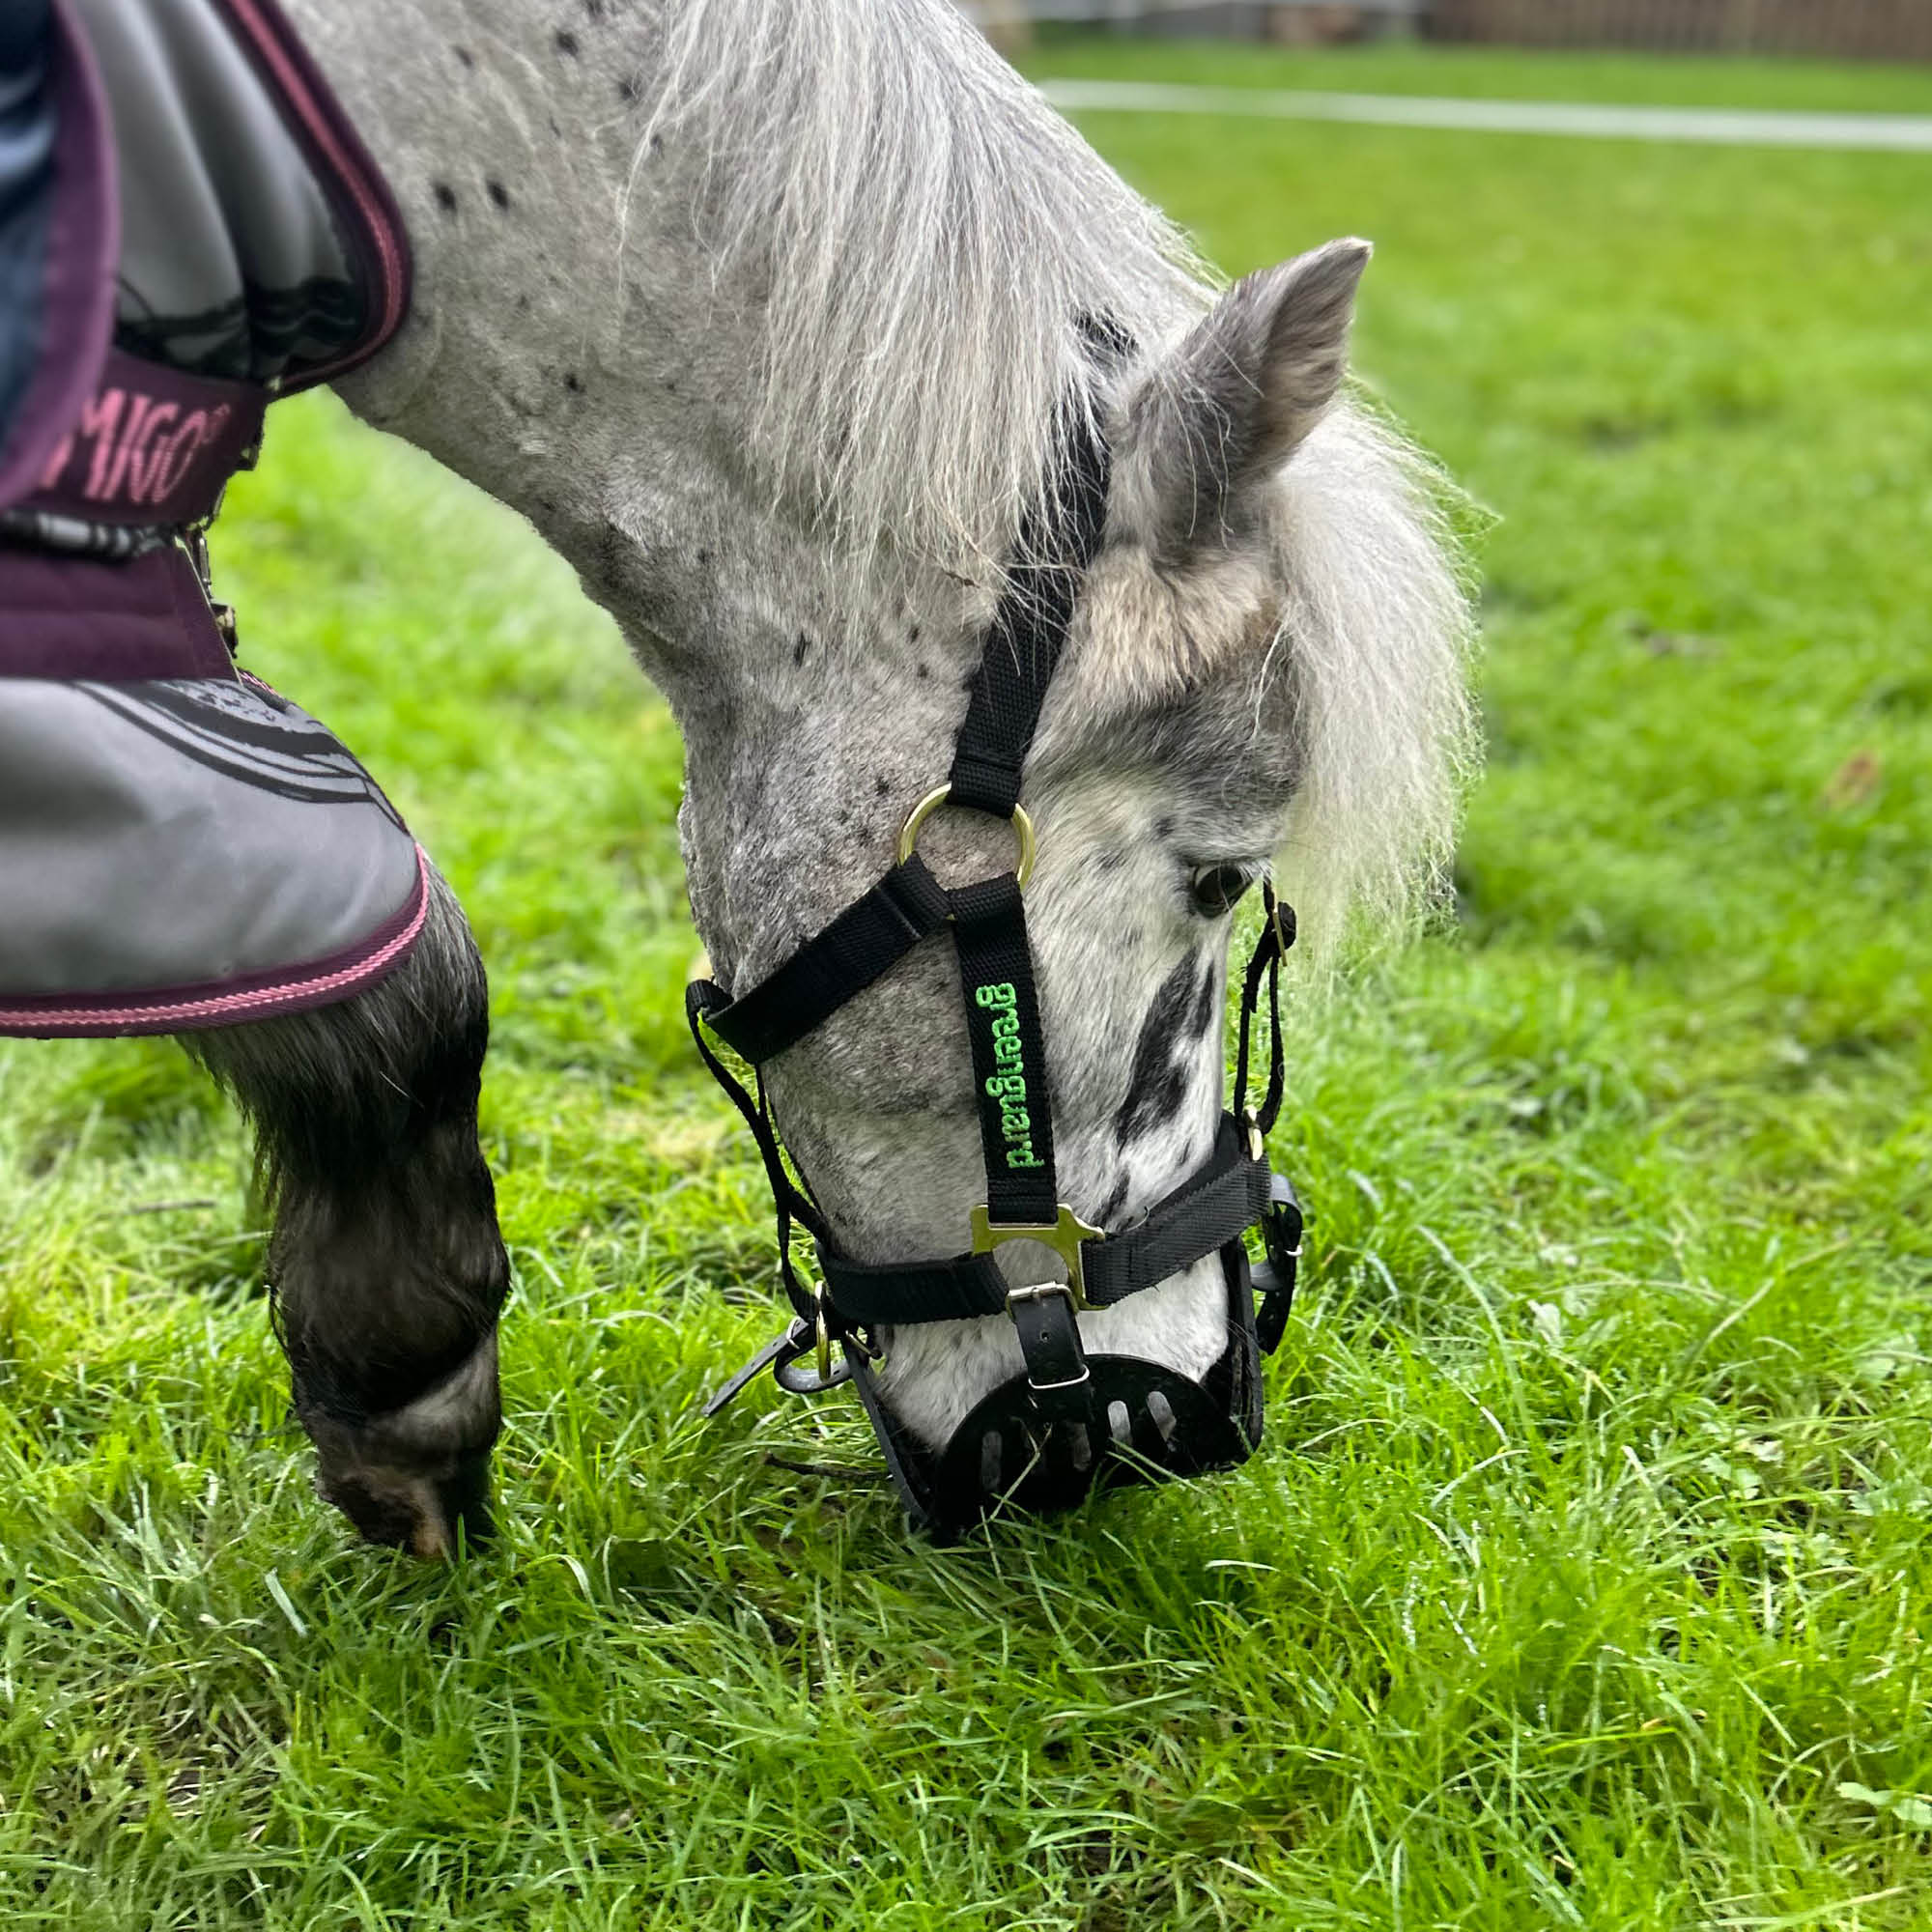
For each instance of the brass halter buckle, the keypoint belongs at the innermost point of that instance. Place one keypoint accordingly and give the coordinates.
(1064, 1235)
(933, 800)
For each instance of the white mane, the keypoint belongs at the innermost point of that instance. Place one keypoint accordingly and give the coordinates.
(924, 232)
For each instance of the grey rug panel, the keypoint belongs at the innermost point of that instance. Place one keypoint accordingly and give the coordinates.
(173, 833)
(231, 264)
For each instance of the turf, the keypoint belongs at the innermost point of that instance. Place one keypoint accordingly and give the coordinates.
(1582, 1581)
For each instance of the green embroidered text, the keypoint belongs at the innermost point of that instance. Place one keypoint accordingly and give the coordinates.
(1009, 1086)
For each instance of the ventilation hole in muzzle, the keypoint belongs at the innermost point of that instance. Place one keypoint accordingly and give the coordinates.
(1164, 1418)
(1079, 1445)
(992, 1460)
(1119, 1422)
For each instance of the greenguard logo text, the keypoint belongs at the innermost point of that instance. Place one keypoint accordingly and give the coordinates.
(1009, 1086)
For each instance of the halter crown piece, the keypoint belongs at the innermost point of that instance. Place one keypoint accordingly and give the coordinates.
(1042, 1439)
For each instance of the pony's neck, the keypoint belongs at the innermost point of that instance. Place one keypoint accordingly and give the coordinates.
(689, 325)
(585, 399)
(816, 685)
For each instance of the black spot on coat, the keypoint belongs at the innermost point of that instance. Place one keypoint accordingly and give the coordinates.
(1206, 1005)
(445, 197)
(1157, 1083)
(566, 43)
(497, 192)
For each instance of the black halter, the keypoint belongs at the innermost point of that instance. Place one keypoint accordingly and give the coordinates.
(1043, 1438)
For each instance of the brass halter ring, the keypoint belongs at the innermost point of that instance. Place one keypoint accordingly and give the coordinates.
(933, 800)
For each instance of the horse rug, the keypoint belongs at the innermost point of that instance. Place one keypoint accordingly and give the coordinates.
(189, 228)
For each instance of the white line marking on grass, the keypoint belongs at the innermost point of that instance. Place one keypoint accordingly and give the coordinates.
(1720, 126)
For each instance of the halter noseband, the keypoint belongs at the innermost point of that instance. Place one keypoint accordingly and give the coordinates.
(1045, 1437)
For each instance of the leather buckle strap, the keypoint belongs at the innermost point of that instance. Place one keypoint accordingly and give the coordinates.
(1049, 1331)
(1049, 1337)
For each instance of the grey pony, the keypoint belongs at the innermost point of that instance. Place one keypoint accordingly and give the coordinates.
(760, 310)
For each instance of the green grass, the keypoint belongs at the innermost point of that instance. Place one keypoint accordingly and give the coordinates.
(1505, 73)
(1582, 1581)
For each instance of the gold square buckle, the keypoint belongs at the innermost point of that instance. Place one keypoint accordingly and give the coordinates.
(1065, 1234)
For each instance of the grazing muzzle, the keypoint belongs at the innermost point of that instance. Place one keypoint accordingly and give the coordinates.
(1069, 1421)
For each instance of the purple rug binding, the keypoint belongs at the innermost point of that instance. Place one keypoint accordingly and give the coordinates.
(292, 989)
(115, 623)
(341, 160)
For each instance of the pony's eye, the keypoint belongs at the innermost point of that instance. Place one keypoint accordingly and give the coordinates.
(1214, 890)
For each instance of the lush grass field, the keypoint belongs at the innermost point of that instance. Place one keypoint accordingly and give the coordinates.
(1583, 1579)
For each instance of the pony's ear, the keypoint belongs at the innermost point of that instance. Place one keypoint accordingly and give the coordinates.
(1216, 415)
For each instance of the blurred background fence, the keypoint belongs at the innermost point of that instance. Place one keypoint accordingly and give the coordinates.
(1867, 29)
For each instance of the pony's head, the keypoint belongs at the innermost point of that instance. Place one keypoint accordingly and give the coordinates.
(1262, 676)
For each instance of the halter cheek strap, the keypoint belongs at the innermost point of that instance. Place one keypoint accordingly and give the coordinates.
(1208, 1213)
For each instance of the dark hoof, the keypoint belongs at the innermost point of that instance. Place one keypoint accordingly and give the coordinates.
(416, 1477)
(431, 1515)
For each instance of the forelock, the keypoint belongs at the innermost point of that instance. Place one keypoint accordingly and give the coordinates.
(1325, 655)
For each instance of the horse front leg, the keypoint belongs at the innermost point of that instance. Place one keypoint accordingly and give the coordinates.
(386, 1262)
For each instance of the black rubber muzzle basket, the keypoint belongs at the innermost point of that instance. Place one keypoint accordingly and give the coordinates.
(1133, 1421)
